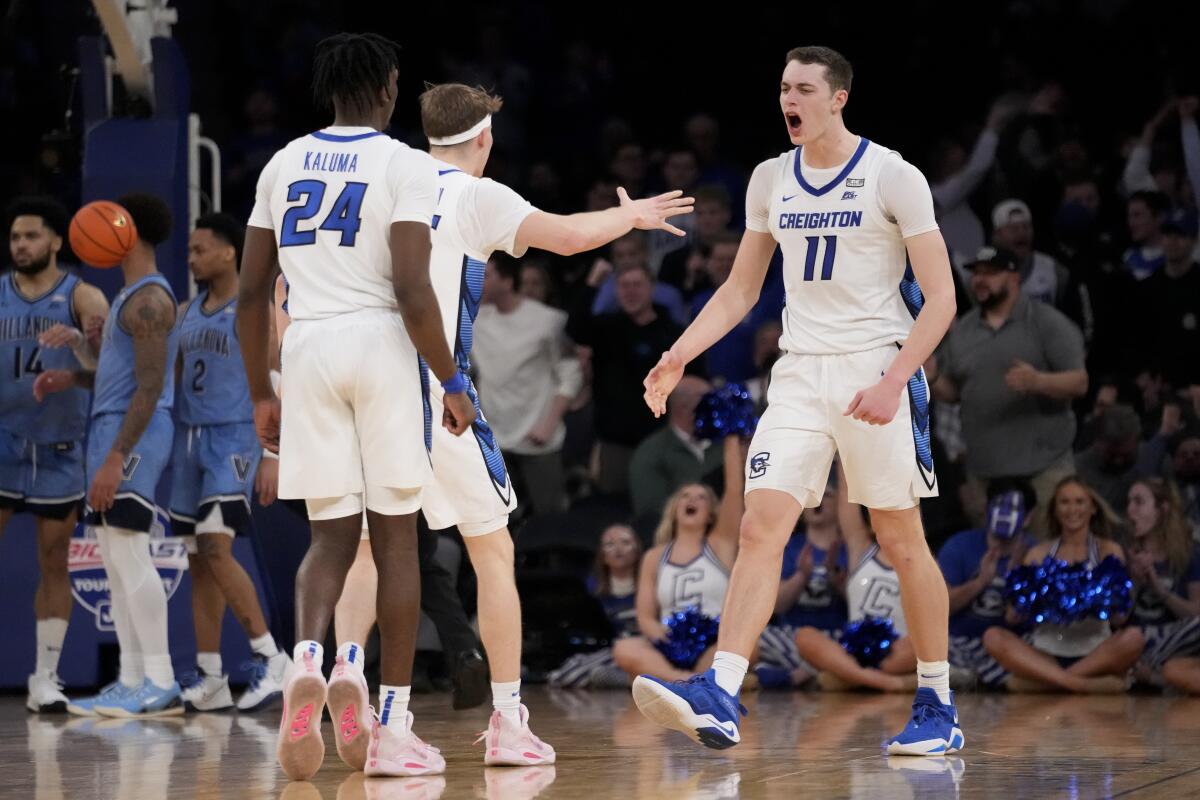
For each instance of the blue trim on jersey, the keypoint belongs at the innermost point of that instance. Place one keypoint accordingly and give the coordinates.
(918, 404)
(35, 300)
(910, 290)
(423, 372)
(442, 172)
(850, 165)
(334, 137)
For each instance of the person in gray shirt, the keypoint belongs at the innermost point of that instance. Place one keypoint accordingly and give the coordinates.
(1015, 365)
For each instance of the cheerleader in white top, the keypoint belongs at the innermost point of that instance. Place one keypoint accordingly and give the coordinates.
(1090, 655)
(872, 589)
(688, 567)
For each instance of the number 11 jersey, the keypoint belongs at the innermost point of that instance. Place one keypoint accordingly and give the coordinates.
(849, 286)
(331, 198)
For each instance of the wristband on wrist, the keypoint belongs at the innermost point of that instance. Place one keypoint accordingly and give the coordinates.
(456, 384)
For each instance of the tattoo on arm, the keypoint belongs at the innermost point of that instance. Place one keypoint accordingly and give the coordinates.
(148, 316)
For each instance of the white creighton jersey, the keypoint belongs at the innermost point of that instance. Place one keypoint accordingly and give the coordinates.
(702, 582)
(331, 198)
(873, 590)
(473, 218)
(849, 286)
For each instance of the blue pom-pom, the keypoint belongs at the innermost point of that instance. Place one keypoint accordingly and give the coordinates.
(869, 640)
(689, 634)
(1061, 593)
(728, 411)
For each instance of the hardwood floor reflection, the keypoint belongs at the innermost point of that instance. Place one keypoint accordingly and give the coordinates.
(794, 745)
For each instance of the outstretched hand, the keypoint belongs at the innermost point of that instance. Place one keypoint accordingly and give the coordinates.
(652, 213)
(661, 381)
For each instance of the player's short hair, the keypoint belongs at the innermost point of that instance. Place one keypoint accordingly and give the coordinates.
(451, 108)
(151, 216)
(352, 68)
(713, 193)
(838, 71)
(226, 228)
(53, 213)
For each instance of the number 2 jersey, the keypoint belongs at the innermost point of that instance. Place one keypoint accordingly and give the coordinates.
(213, 387)
(849, 286)
(331, 198)
(61, 417)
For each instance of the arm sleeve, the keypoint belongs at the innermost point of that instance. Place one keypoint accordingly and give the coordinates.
(412, 177)
(260, 216)
(905, 197)
(1191, 152)
(495, 213)
(1062, 340)
(1136, 176)
(955, 189)
(758, 195)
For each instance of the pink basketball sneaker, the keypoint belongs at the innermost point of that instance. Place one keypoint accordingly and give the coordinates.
(301, 749)
(348, 708)
(393, 754)
(514, 745)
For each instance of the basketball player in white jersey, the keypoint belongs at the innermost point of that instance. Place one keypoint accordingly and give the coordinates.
(471, 488)
(850, 217)
(346, 211)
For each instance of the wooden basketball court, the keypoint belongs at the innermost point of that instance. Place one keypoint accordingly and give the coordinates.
(795, 746)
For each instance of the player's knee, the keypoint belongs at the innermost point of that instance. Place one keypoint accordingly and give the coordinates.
(215, 548)
(52, 556)
(758, 534)
(807, 638)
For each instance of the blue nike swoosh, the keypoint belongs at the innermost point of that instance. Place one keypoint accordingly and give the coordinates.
(793, 197)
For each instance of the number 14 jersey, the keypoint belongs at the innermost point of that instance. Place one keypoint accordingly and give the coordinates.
(849, 286)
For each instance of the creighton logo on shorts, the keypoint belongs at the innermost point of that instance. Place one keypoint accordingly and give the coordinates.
(89, 581)
(758, 464)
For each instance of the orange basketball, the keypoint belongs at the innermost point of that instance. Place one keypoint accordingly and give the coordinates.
(102, 233)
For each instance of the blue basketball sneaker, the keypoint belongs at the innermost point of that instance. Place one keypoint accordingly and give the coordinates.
(932, 731)
(148, 700)
(86, 706)
(696, 707)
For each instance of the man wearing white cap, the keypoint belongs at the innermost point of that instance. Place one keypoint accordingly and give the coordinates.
(1042, 278)
(471, 487)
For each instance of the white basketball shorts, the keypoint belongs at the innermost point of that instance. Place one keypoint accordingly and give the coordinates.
(887, 466)
(470, 487)
(353, 413)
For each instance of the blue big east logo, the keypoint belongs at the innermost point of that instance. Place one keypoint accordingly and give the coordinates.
(89, 581)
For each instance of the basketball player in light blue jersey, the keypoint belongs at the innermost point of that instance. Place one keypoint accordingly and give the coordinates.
(129, 442)
(869, 296)
(42, 311)
(213, 469)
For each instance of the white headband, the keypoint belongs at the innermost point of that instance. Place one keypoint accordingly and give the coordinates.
(465, 136)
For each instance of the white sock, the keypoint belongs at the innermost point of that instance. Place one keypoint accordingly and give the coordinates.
(209, 664)
(264, 645)
(506, 698)
(393, 707)
(935, 675)
(159, 670)
(731, 671)
(133, 669)
(353, 653)
(51, 633)
(309, 646)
